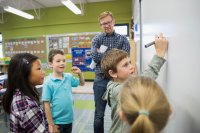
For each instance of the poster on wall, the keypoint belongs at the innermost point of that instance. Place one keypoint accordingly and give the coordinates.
(81, 57)
(32, 45)
(66, 42)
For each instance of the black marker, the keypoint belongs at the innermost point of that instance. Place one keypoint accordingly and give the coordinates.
(149, 44)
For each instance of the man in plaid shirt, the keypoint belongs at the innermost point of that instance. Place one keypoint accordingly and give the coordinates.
(110, 39)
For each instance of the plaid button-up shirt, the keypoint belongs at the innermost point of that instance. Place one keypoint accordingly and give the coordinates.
(26, 115)
(113, 41)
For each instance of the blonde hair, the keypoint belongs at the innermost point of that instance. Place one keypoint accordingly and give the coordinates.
(110, 60)
(105, 14)
(143, 94)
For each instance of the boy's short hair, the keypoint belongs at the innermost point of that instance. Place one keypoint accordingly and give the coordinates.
(105, 14)
(54, 52)
(110, 60)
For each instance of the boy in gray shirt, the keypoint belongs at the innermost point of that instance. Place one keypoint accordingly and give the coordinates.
(116, 65)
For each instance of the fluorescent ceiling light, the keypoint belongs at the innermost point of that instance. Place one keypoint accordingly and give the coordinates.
(71, 6)
(18, 12)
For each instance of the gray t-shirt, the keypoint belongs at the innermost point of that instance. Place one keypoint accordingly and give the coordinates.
(112, 95)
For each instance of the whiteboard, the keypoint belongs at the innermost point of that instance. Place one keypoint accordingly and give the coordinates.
(179, 20)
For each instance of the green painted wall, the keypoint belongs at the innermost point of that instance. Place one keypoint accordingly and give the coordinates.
(58, 20)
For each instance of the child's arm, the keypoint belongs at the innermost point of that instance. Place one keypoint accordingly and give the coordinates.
(161, 45)
(76, 70)
(52, 127)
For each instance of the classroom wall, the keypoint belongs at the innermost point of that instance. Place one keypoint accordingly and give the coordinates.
(60, 20)
(179, 20)
(57, 20)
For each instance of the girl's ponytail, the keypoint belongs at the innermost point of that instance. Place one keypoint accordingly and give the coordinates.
(144, 105)
(142, 124)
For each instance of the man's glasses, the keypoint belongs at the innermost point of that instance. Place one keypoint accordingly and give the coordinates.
(106, 23)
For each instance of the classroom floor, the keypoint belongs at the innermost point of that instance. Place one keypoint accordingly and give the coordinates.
(83, 113)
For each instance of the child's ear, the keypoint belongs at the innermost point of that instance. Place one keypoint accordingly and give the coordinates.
(122, 116)
(112, 74)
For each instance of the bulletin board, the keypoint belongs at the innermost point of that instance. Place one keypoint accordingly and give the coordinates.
(76, 46)
(67, 41)
(33, 45)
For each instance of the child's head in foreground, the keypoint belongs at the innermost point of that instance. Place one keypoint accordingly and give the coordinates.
(116, 65)
(144, 105)
(24, 73)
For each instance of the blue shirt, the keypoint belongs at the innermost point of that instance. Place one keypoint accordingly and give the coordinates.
(59, 93)
(111, 41)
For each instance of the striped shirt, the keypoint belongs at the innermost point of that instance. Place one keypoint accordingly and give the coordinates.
(26, 115)
(113, 41)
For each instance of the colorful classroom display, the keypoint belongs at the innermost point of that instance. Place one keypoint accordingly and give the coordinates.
(77, 47)
(33, 45)
(71, 44)
(81, 57)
